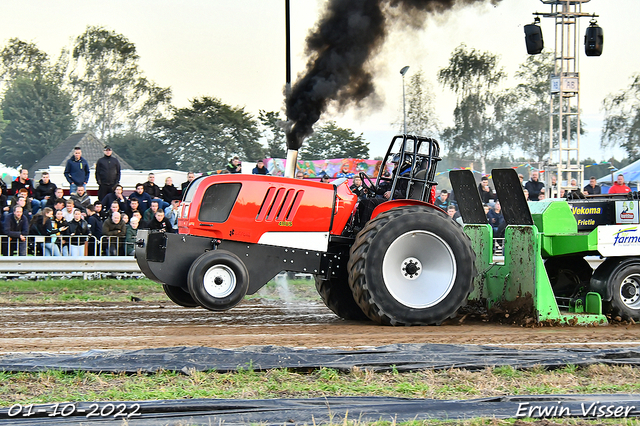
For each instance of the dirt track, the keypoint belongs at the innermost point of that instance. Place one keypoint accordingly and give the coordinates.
(78, 327)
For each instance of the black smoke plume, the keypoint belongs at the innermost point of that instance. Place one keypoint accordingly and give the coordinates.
(348, 35)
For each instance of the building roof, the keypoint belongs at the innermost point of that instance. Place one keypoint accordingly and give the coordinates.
(92, 151)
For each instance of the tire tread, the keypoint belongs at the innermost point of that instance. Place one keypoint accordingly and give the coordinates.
(337, 296)
(358, 259)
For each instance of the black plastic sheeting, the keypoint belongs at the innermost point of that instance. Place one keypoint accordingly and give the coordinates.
(402, 357)
(325, 410)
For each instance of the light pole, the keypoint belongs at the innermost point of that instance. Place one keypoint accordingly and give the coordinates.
(287, 19)
(292, 154)
(564, 102)
(403, 71)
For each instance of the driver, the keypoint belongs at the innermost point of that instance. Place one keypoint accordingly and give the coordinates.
(401, 185)
(383, 192)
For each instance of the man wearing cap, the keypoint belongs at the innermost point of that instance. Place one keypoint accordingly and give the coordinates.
(107, 173)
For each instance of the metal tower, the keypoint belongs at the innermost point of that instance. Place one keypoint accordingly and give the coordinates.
(564, 105)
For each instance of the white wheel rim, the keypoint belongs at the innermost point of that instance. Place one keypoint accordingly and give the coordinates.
(630, 291)
(219, 281)
(431, 278)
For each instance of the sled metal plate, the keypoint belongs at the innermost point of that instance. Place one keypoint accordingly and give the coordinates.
(465, 190)
(166, 258)
(509, 190)
(156, 246)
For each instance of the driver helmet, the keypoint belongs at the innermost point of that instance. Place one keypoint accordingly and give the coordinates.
(396, 159)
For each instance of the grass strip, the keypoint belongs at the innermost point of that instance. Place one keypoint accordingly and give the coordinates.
(119, 290)
(79, 290)
(57, 386)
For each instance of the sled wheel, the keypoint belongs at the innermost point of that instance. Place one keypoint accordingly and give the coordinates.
(179, 296)
(218, 280)
(411, 265)
(625, 292)
(567, 274)
(337, 296)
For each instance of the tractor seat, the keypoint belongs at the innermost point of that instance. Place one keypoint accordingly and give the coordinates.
(416, 189)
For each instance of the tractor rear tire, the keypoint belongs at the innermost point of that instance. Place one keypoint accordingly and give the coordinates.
(411, 265)
(337, 296)
(218, 280)
(179, 296)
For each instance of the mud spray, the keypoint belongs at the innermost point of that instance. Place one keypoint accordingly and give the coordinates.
(282, 286)
(282, 289)
(340, 48)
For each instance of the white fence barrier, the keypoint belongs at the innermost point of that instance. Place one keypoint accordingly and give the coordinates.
(93, 257)
(52, 266)
(85, 256)
(37, 245)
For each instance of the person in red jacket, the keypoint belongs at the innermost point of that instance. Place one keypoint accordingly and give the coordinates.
(619, 186)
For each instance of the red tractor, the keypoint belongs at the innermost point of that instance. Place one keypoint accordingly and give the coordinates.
(408, 264)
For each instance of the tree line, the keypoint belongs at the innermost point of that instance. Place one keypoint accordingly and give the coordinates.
(97, 85)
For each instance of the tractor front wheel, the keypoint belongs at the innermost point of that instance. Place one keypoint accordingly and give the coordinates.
(337, 296)
(179, 296)
(411, 265)
(218, 280)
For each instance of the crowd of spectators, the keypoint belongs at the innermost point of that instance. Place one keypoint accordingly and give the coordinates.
(67, 225)
(533, 190)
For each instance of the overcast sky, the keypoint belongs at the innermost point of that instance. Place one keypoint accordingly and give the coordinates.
(234, 50)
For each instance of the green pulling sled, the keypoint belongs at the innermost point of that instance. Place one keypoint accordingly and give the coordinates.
(545, 275)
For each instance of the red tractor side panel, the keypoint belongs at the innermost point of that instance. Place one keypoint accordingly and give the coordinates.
(260, 204)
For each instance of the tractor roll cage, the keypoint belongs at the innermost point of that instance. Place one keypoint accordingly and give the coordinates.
(424, 154)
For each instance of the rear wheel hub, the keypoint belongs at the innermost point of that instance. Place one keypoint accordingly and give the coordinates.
(411, 268)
